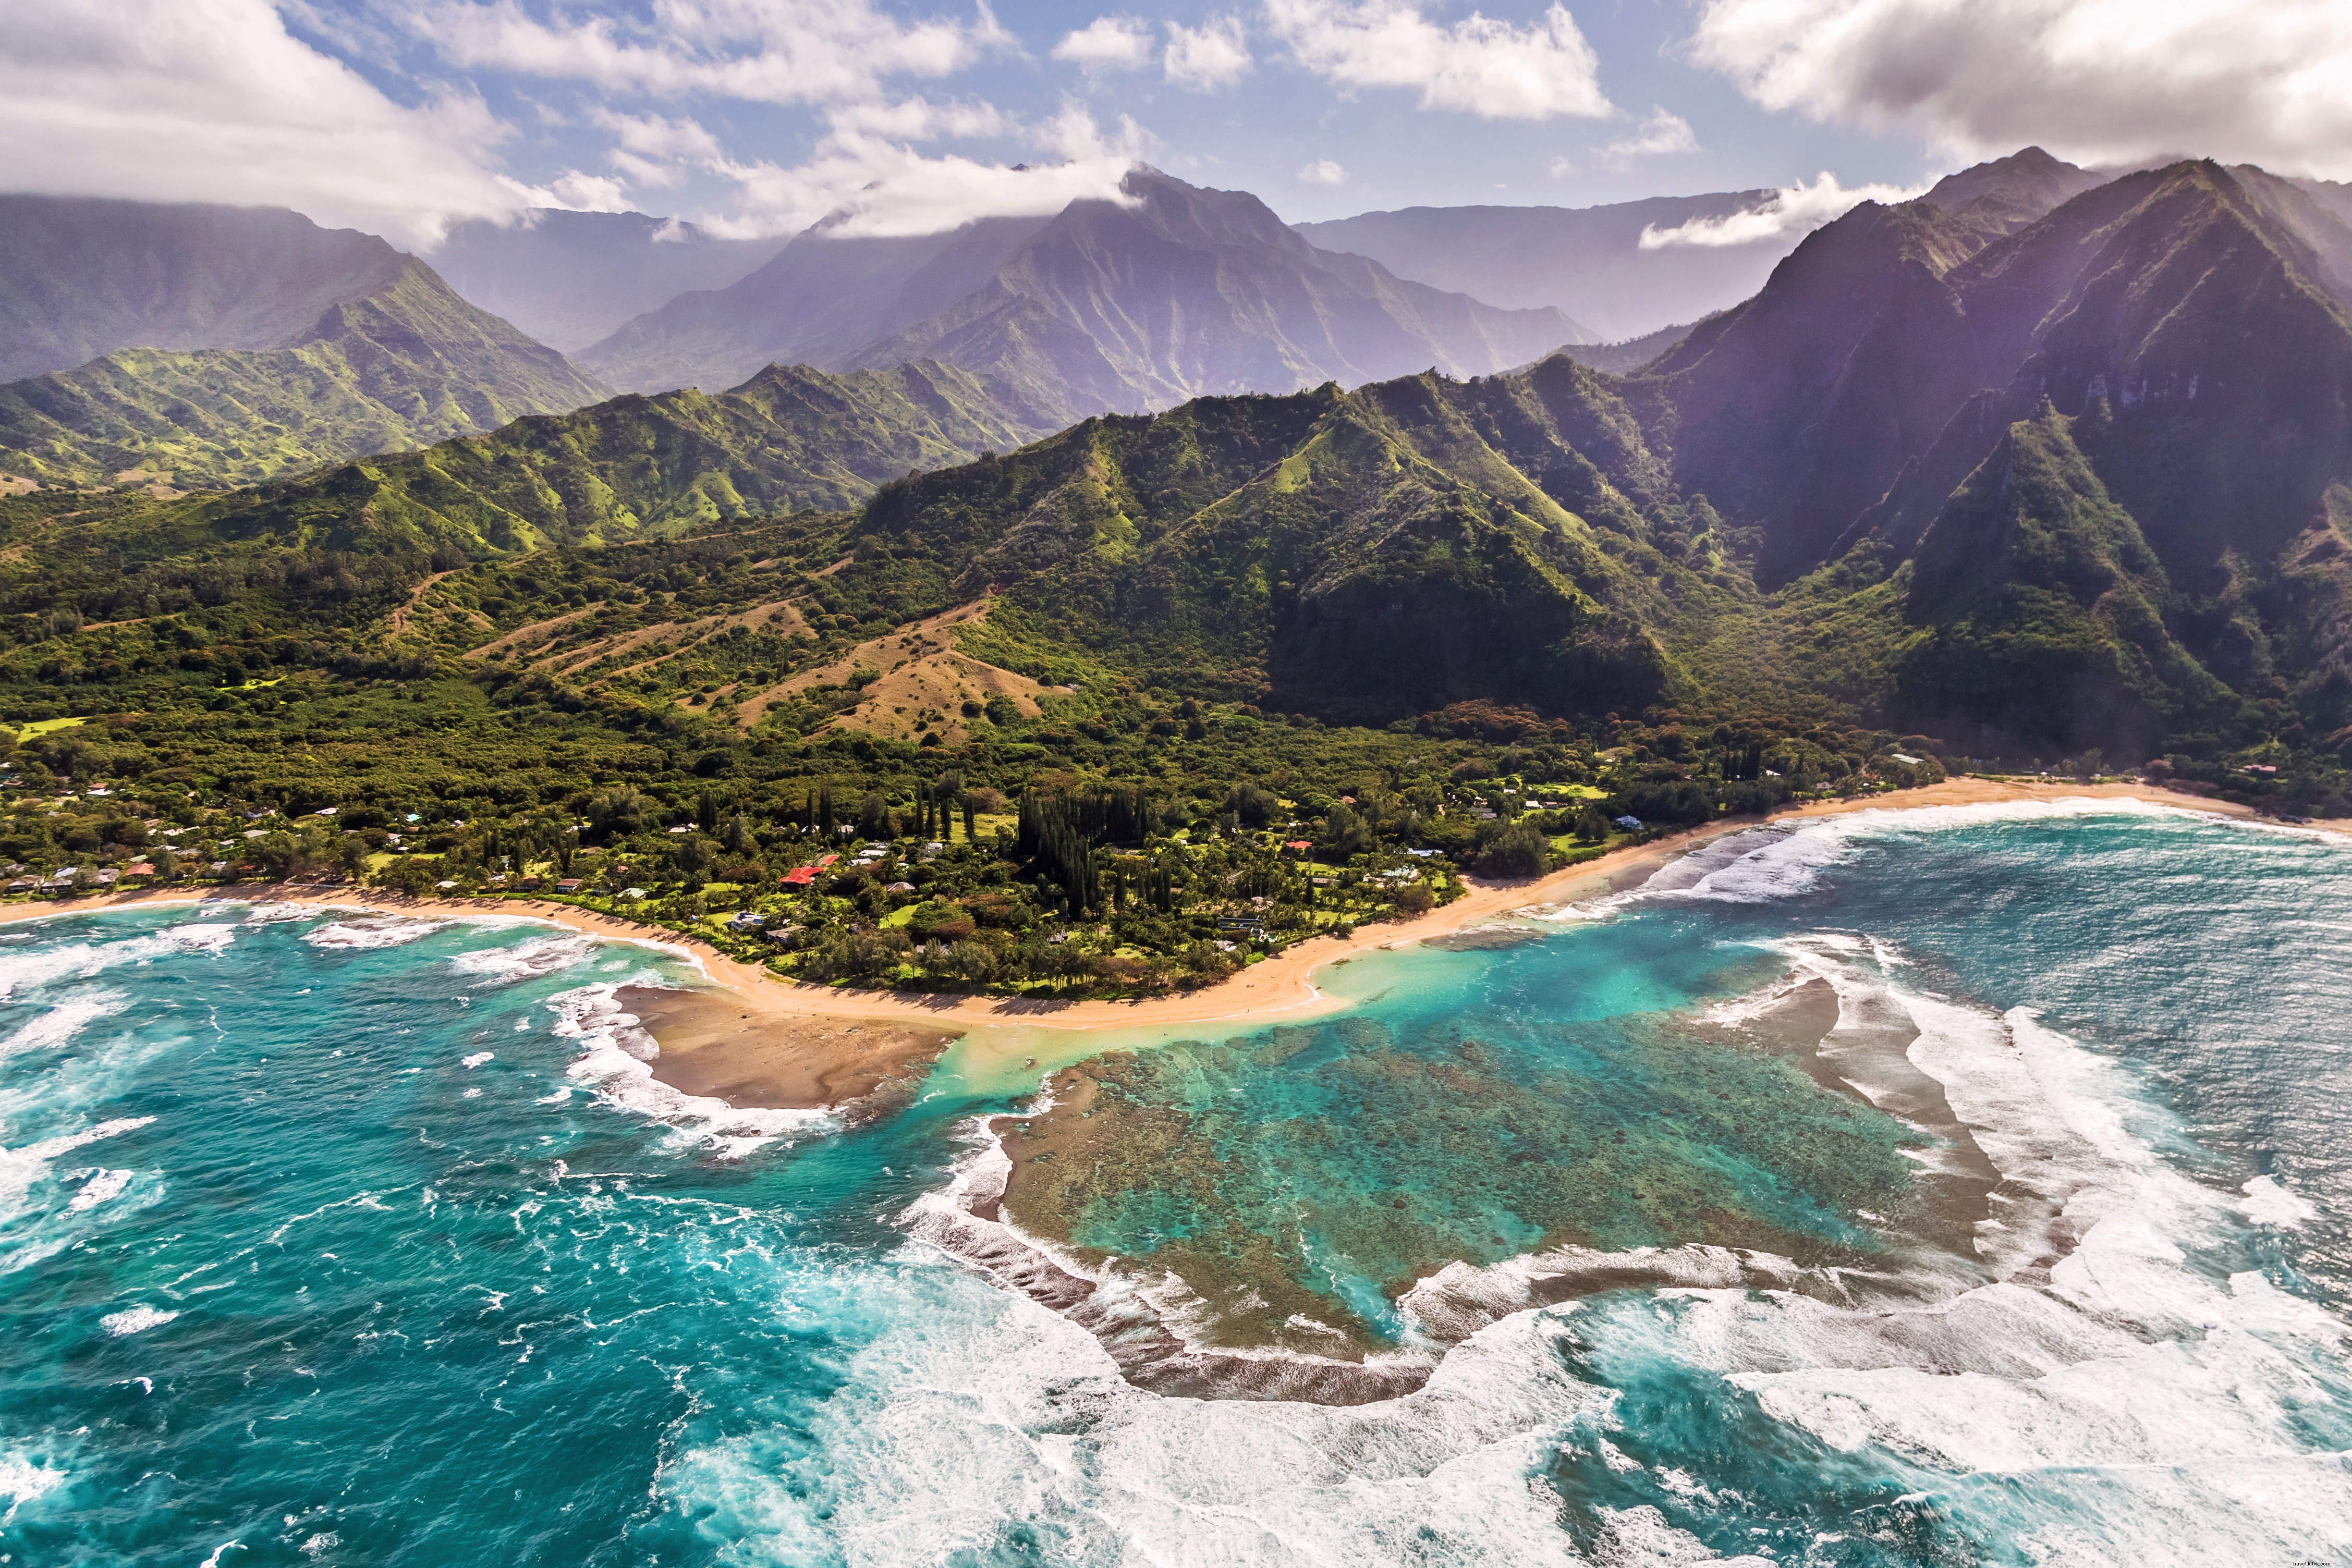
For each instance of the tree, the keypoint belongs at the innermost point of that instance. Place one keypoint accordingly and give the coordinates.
(617, 812)
(1519, 850)
(408, 874)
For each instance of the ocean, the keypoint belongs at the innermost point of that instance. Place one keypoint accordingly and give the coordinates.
(331, 1237)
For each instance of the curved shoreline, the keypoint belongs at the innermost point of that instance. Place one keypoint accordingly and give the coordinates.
(1280, 986)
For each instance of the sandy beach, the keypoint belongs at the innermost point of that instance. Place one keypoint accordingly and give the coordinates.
(794, 1043)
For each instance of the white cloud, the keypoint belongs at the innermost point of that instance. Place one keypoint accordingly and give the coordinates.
(768, 51)
(919, 120)
(867, 184)
(2094, 80)
(1478, 65)
(214, 101)
(1659, 135)
(1791, 210)
(1324, 172)
(1212, 56)
(1109, 44)
(579, 192)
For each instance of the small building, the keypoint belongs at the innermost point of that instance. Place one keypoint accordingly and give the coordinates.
(569, 884)
(900, 887)
(140, 868)
(800, 876)
(745, 919)
(1631, 825)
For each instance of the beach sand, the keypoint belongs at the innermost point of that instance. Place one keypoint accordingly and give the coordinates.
(714, 1045)
(810, 1061)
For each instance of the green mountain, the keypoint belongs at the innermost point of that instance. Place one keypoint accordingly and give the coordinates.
(791, 439)
(404, 365)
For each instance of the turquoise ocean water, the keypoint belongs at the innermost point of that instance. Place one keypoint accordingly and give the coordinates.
(330, 1238)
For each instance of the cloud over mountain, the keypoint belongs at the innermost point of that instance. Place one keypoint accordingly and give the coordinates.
(217, 100)
(2094, 80)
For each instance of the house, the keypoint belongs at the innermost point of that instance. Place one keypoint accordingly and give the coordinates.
(900, 887)
(1631, 825)
(745, 919)
(569, 884)
(1298, 846)
(140, 868)
(800, 876)
(23, 885)
(781, 939)
(106, 878)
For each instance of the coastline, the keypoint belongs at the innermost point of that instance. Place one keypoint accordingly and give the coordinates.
(1282, 986)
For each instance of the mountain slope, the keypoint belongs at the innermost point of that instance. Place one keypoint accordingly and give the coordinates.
(1182, 292)
(824, 295)
(406, 364)
(80, 278)
(1173, 293)
(570, 279)
(790, 440)
(1589, 263)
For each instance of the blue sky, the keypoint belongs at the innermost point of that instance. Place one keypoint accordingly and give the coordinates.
(1370, 146)
(752, 116)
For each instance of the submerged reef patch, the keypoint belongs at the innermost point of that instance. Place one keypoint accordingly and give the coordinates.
(1301, 1182)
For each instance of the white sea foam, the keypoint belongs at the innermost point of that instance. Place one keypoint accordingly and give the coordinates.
(975, 1408)
(2269, 1203)
(526, 960)
(615, 1054)
(476, 1059)
(98, 1186)
(2101, 1359)
(64, 1019)
(24, 1481)
(201, 936)
(1785, 859)
(135, 1320)
(21, 1168)
(368, 934)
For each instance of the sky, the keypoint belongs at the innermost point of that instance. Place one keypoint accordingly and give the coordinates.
(753, 117)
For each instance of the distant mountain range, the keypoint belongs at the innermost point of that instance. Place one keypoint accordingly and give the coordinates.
(571, 278)
(1589, 261)
(1175, 292)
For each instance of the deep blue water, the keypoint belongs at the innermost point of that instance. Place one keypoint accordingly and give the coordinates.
(285, 1279)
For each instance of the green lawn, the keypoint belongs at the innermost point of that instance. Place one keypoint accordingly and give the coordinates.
(44, 725)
